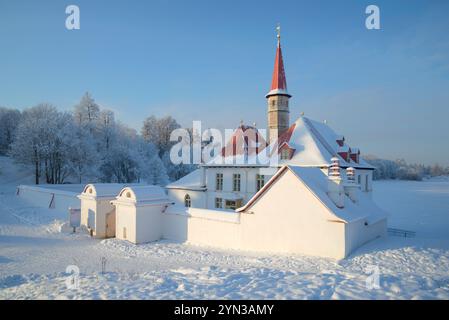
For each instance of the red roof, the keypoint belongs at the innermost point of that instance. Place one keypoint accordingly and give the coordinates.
(285, 137)
(245, 140)
(279, 81)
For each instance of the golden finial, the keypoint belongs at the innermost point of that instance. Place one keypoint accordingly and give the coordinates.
(302, 114)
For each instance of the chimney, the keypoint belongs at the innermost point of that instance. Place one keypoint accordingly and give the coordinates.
(335, 186)
(203, 176)
(351, 188)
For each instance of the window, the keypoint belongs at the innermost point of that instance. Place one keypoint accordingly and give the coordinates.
(273, 103)
(187, 201)
(366, 183)
(285, 154)
(124, 233)
(218, 203)
(359, 179)
(236, 182)
(233, 204)
(260, 181)
(219, 182)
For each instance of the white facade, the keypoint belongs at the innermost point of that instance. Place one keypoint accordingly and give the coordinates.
(233, 191)
(97, 212)
(207, 196)
(139, 213)
(292, 213)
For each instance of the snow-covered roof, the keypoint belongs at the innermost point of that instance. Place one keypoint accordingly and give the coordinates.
(314, 144)
(191, 181)
(277, 92)
(316, 181)
(102, 190)
(142, 194)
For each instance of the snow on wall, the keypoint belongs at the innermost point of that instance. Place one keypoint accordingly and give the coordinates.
(59, 197)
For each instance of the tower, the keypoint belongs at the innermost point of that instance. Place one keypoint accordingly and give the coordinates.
(278, 111)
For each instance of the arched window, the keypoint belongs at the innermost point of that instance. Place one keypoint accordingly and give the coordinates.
(187, 201)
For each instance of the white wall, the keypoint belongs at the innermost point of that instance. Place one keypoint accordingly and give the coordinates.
(41, 197)
(125, 217)
(87, 205)
(198, 198)
(298, 224)
(99, 207)
(358, 233)
(143, 223)
(149, 223)
(247, 184)
(203, 227)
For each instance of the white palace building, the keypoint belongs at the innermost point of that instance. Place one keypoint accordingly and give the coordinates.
(315, 199)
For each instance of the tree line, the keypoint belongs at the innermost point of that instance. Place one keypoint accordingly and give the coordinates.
(401, 170)
(88, 144)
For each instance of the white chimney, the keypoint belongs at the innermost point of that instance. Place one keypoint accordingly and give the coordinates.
(203, 176)
(351, 188)
(335, 186)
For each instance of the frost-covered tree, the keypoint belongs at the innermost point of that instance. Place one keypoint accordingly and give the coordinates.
(9, 121)
(87, 112)
(106, 129)
(437, 170)
(176, 171)
(120, 162)
(157, 131)
(83, 157)
(151, 168)
(42, 140)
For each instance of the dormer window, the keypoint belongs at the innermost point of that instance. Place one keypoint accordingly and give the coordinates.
(285, 154)
(341, 141)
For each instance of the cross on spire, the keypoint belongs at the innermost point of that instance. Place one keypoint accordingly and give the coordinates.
(278, 31)
(278, 82)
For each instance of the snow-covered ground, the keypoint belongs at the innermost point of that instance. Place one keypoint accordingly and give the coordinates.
(34, 255)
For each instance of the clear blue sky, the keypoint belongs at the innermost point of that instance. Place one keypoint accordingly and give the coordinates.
(387, 91)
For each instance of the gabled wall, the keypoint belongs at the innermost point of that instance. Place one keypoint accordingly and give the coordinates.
(289, 218)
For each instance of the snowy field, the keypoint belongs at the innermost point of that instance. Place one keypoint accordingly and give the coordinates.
(34, 255)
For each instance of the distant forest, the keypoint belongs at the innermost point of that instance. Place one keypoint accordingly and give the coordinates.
(401, 170)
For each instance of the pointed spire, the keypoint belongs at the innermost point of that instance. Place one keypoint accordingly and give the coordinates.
(278, 82)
